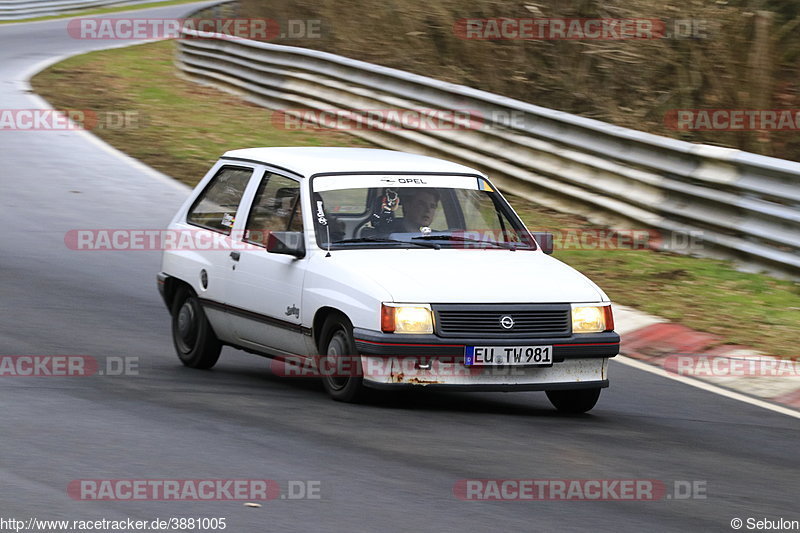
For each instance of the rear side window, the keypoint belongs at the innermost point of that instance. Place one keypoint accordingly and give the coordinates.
(215, 208)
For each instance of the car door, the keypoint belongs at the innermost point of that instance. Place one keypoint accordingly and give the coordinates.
(264, 289)
(211, 218)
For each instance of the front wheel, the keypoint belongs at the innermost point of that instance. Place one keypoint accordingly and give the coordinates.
(194, 340)
(339, 363)
(574, 401)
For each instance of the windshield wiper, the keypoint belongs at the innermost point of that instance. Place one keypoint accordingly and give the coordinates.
(511, 246)
(385, 240)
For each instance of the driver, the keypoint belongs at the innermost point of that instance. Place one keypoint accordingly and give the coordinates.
(419, 209)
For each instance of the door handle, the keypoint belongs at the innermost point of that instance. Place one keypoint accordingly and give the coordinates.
(235, 255)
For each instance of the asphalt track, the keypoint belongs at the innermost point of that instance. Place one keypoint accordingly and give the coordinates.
(387, 466)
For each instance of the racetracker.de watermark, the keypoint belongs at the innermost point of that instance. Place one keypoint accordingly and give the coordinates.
(592, 239)
(421, 369)
(94, 28)
(127, 240)
(67, 366)
(699, 365)
(589, 239)
(733, 119)
(578, 490)
(377, 119)
(193, 489)
(579, 29)
(68, 120)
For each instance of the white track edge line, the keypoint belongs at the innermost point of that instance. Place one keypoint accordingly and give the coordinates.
(25, 86)
(68, 16)
(707, 386)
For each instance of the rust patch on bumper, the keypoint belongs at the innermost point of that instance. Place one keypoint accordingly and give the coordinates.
(400, 377)
(417, 381)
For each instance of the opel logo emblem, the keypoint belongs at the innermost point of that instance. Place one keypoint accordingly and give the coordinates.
(506, 322)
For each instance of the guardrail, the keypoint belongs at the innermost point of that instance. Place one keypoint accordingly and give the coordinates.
(23, 9)
(746, 206)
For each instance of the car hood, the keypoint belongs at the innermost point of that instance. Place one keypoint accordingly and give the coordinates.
(469, 276)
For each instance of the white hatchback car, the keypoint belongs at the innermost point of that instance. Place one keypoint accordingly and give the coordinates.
(381, 269)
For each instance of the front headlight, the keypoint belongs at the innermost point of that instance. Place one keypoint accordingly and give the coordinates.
(396, 318)
(592, 318)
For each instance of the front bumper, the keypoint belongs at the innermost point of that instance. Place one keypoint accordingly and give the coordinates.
(391, 361)
(396, 372)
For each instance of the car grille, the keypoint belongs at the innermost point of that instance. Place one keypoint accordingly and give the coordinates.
(546, 320)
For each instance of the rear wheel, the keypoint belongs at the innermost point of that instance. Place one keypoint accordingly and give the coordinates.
(339, 363)
(195, 342)
(574, 401)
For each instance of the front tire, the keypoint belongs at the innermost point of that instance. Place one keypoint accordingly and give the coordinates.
(339, 363)
(195, 342)
(574, 401)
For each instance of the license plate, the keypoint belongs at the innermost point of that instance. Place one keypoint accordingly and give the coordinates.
(508, 355)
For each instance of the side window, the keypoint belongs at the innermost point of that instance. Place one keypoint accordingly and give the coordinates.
(479, 211)
(482, 214)
(276, 207)
(215, 208)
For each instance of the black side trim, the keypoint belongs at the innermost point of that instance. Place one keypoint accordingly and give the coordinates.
(492, 388)
(424, 350)
(161, 279)
(258, 317)
(581, 346)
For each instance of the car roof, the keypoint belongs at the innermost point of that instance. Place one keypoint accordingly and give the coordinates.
(308, 161)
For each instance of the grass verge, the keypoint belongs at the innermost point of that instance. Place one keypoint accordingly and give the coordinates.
(181, 128)
(99, 11)
(184, 127)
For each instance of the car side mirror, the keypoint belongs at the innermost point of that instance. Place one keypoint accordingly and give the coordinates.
(545, 241)
(287, 243)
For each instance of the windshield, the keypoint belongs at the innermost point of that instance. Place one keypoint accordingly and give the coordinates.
(414, 211)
